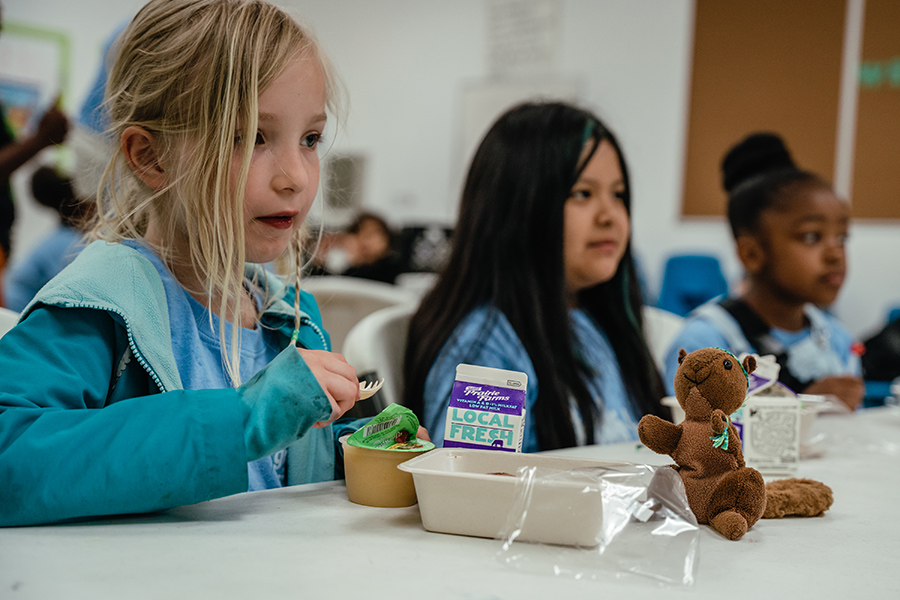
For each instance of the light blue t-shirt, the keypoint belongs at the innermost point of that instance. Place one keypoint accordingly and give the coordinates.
(196, 347)
(486, 338)
(821, 350)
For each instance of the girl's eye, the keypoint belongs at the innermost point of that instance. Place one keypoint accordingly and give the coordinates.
(312, 140)
(811, 237)
(259, 141)
(620, 195)
(580, 194)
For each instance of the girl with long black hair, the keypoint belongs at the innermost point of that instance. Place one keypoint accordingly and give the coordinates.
(541, 279)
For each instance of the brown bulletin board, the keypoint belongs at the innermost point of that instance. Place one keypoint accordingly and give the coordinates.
(762, 65)
(876, 168)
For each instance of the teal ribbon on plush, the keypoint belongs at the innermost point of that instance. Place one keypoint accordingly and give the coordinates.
(720, 440)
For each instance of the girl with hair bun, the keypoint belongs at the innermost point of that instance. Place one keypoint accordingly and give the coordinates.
(790, 232)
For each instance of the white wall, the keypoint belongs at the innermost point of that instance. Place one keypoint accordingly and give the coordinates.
(406, 64)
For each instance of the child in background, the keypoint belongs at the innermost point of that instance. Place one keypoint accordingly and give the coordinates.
(52, 254)
(541, 280)
(163, 366)
(369, 243)
(790, 231)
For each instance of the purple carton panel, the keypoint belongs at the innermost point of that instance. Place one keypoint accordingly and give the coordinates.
(486, 409)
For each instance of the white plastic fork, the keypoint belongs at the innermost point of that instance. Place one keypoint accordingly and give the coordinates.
(367, 390)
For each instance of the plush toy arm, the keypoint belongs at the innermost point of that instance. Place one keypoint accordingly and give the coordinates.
(718, 421)
(658, 434)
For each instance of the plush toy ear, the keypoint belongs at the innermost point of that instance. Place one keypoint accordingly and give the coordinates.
(141, 151)
(749, 364)
(681, 355)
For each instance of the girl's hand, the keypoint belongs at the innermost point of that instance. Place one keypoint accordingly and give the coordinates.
(53, 126)
(337, 379)
(848, 389)
(422, 434)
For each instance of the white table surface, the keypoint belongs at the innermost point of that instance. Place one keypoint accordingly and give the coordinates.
(310, 541)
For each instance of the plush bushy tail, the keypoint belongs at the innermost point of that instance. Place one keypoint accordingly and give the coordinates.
(797, 498)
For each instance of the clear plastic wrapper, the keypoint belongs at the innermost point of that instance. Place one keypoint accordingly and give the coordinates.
(636, 522)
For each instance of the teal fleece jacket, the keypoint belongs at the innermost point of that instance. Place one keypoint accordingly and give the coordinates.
(93, 417)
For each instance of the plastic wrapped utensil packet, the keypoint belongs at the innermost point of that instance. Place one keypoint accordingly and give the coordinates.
(394, 428)
(647, 527)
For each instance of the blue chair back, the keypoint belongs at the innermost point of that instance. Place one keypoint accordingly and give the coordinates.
(893, 314)
(689, 280)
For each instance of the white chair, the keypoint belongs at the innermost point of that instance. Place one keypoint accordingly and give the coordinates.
(344, 301)
(8, 319)
(376, 348)
(418, 283)
(660, 327)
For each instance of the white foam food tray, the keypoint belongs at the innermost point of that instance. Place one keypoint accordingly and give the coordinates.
(459, 492)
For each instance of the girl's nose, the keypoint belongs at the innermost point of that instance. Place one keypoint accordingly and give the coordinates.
(291, 173)
(604, 213)
(835, 250)
(835, 254)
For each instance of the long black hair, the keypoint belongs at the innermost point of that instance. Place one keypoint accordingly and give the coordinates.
(508, 253)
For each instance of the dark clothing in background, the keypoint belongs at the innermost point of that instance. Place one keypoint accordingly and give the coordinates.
(384, 269)
(881, 360)
(7, 210)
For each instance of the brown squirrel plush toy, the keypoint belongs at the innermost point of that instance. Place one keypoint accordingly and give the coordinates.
(722, 491)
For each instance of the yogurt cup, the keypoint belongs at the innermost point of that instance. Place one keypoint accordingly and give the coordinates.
(373, 478)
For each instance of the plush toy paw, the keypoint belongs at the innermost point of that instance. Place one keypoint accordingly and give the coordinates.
(718, 420)
(730, 524)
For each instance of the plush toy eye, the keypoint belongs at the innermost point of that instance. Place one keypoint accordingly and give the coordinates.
(728, 364)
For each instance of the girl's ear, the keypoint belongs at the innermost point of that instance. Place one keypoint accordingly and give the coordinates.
(751, 253)
(141, 152)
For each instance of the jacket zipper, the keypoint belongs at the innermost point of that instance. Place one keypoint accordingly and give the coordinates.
(131, 343)
(304, 320)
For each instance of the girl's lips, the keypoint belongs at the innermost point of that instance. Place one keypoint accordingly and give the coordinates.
(834, 279)
(277, 221)
(604, 245)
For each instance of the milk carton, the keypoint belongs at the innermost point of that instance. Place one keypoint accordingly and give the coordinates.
(769, 422)
(486, 410)
(770, 433)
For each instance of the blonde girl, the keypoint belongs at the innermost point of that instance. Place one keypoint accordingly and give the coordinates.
(165, 366)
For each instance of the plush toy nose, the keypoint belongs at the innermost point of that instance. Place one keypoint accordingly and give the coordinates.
(696, 372)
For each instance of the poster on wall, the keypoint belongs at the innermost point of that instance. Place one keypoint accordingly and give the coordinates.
(33, 73)
(483, 103)
(523, 50)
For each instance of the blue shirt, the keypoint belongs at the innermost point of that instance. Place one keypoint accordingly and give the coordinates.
(822, 349)
(486, 338)
(197, 349)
